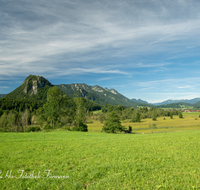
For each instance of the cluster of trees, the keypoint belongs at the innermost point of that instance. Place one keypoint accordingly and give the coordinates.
(135, 115)
(58, 110)
(111, 116)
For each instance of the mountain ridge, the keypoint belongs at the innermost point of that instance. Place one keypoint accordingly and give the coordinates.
(36, 87)
(170, 101)
(97, 93)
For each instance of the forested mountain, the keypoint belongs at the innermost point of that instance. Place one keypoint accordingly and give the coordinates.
(2, 95)
(36, 87)
(98, 94)
(33, 87)
(179, 105)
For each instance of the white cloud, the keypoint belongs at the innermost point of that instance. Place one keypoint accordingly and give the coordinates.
(132, 38)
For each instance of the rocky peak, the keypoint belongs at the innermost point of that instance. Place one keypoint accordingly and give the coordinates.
(113, 91)
(33, 83)
(97, 88)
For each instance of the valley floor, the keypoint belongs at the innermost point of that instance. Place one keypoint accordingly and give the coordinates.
(191, 121)
(78, 160)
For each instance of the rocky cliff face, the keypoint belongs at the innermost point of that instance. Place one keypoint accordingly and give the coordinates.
(32, 83)
(33, 87)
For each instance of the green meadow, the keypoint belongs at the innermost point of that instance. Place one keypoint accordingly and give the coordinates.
(94, 160)
(190, 121)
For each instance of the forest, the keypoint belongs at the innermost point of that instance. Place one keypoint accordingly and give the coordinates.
(61, 111)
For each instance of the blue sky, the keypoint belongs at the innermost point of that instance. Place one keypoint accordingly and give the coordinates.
(147, 49)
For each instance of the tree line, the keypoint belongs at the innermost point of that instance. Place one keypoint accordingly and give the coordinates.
(59, 110)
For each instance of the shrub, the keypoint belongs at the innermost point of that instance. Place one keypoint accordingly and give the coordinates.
(33, 129)
(81, 127)
(47, 126)
(154, 118)
(67, 128)
(180, 115)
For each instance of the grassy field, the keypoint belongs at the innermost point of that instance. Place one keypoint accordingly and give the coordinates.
(78, 160)
(191, 121)
(100, 161)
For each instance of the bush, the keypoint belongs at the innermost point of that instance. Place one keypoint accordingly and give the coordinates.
(47, 126)
(180, 115)
(33, 129)
(67, 128)
(81, 127)
(154, 118)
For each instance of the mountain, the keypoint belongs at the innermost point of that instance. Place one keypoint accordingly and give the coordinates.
(36, 87)
(182, 105)
(33, 87)
(98, 94)
(139, 101)
(2, 95)
(192, 101)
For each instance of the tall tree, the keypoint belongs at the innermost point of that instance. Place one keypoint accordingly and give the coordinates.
(113, 124)
(53, 105)
(81, 115)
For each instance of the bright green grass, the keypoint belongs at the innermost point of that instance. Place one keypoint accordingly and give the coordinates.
(102, 161)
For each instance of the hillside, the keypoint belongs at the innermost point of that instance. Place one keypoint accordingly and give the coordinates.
(36, 87)
(179, 105)
(33, 87)
(98, 94)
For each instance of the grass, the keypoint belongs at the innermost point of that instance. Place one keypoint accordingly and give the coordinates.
(191, 121)
(101, 161)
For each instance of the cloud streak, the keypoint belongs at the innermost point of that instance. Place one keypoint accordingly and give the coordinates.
(102, 39)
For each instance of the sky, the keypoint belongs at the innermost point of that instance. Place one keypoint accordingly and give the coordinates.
(147, 49)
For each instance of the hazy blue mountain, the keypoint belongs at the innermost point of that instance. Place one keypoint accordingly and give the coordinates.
(139, 101)
(192, 101)
(179, 105)
(2, 95)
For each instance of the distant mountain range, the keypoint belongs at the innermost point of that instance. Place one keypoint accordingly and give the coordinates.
(36, 87)
(192, 101)
(2, 95)
(140, 101)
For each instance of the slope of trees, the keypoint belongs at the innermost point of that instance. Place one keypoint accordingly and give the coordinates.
(56, 111)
